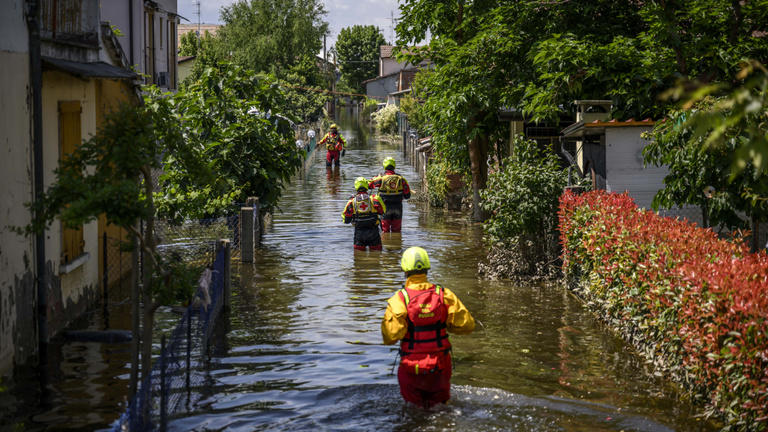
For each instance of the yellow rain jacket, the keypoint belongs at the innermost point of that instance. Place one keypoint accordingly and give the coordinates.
(395, 326)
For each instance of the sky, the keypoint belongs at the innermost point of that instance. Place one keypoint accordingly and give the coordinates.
(341, 13)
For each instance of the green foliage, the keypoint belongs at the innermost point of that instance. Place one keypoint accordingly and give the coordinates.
(229, 113)
(716, 149)
(358, 54)
(437, 182)
(522, 197)
(305, 104)
(271, 36)
(738, 117)
(385, 119)
(188, 44)
(103, 175)
(412, 108)
(369, 107)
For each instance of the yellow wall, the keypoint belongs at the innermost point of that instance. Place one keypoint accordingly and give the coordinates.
(185, 69)
(57, 87)
(109, 95)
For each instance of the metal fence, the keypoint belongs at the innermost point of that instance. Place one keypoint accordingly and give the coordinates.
(179, 368)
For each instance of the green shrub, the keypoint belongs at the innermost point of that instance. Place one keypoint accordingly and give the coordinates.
(694, 304)
(369, 107)
(522, 197)
(385, 119)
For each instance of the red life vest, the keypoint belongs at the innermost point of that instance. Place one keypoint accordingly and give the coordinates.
(427, 315)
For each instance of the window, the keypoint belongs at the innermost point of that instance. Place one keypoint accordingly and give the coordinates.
(72, 243)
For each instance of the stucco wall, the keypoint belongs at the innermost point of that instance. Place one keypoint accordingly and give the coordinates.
(17, 288)
(69, 294)
(625, 171)
(381, 87)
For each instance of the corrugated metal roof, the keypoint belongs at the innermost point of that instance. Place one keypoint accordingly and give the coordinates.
(87, 70)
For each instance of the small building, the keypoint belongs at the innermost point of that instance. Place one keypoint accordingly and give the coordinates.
(390, 87)
(610, 153)
(185, 66)
(388, 64)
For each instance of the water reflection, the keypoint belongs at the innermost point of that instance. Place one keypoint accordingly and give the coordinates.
(305, 346)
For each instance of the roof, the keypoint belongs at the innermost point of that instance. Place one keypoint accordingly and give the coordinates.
(87, 70)
(598, 127)
(183, 59)
(385, 51)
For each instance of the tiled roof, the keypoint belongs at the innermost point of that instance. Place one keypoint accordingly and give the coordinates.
(619, 123)
(385, 51)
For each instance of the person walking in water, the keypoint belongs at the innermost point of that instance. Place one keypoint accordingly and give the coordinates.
(420, 316)
(363, 210)
(334, 143)
(393, 189)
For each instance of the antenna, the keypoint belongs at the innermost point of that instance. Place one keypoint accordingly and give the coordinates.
(392, 21)
(197, 11)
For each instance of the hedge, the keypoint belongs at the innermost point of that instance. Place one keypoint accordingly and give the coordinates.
(695, 303)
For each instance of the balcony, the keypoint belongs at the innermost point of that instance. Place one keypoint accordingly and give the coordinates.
(70, 22)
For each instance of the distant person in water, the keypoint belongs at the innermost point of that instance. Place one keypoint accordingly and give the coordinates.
(334, 143)
(363, 210)
(393, 189)
(420, 316)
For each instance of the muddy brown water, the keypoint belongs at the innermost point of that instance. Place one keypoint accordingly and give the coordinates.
(303, 350)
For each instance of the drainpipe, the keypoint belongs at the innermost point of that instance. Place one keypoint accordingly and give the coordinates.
(36, 83)
(130, 29)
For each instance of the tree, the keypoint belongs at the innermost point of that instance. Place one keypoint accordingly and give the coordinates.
(215, 142)
(358, 54)
(716, 148)
(271, 36)
(188, 44)
(111, 174)
(279, 37)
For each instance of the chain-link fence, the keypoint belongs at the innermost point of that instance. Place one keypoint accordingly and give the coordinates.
(179, 369)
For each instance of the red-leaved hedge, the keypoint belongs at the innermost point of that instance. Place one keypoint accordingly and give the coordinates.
(696, 303)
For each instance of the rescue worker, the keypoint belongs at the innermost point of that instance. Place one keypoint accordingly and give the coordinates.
(363, 210)
(334, 143)
(420, 316)
(393, 189)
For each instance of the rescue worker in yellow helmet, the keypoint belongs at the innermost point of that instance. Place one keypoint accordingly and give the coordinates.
(420, 316)
(335, 144)
(363, 210)
(393, 189)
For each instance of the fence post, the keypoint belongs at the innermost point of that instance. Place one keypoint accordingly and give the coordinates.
(189, 354)
(105, 279)
(256, 205)
(163, 387)
(247, 240)
(226, 277)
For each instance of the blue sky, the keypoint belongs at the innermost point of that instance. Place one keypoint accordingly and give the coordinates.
(341, 13)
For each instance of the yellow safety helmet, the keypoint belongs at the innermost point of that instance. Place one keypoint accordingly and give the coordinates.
(414, 258)
(333, 126)
(390, 161)
(361, 182)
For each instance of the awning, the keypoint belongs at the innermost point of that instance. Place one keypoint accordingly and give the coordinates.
(87, 70)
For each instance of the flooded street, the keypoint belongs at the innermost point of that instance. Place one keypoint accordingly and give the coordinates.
(303, 349)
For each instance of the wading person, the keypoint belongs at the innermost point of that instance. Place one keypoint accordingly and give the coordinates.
(363, 210)
(420, 316)
(334, 143)
(393, 189)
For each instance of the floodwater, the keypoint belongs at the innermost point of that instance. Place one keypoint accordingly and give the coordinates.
(304, 350)
(301, 350)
